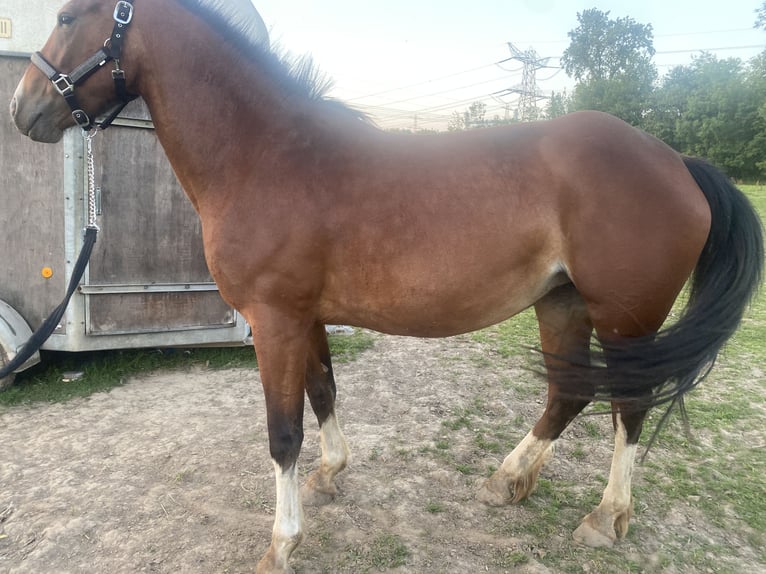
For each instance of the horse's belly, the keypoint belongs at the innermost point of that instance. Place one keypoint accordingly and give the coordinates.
(439, 305)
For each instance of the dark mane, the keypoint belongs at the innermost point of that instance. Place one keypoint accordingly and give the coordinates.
(242, 27)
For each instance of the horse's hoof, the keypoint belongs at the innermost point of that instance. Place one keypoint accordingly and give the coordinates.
(318, 490)
(492, 493)
(589, 534)
(313, 497)
(267, 566)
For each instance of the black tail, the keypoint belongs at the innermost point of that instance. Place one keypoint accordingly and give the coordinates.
(661, 368)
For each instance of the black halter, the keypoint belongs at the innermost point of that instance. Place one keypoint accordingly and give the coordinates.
(111, 51)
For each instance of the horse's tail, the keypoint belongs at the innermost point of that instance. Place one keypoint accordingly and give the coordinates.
(661, 368)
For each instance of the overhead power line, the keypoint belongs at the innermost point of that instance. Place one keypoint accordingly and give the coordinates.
(388, 91)
(750, 47)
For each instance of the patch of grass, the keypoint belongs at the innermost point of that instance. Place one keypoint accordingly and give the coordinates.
(442, 444)
(512, 337)
(405, 453)
(460, 420)
(487, 434)
(346, 348)
(578, 452)
(375, 453)
(734, 484)
(512, 559)
(608, 561)
(105, 370)
(486, 444)
(591, 427)
(388, 551)
(435, 507)
(465, 469)
(384, 552)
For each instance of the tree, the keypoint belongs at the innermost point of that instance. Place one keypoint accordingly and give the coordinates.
(473, 117)
(715, 109)
(761, 21)
(612, 63)
(603, 49)
(624, 96)
(756, 84)
(558, 105)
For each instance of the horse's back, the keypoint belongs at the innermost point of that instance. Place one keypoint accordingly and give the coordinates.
(447, 233)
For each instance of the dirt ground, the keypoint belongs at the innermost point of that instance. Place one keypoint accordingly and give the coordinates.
(171, 473)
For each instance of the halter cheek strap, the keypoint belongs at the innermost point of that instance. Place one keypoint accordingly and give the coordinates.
(111, 51)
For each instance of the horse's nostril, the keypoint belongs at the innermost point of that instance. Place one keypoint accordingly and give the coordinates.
(13, 106)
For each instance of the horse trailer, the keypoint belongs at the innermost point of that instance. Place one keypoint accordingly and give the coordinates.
(147, 284)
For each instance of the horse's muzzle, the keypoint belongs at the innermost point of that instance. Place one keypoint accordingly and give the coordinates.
(33, 119)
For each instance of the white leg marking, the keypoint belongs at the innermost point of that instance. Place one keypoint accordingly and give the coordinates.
(517, 476)
(528, 455)
(610, 519)
(288, 523)
(617, 494)
(334, 448)
(320, 485)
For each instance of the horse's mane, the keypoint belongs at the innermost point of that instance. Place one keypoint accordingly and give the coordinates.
(240, 24)
(236, 16)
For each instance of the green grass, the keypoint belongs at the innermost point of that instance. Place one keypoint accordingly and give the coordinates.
(435, 507)
(512, 338)
(346, 348)
(384, 552)
(108, 369)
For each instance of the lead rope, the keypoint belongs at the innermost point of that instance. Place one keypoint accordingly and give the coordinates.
(53, 321)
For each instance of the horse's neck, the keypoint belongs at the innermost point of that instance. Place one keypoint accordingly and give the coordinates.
(202, 104)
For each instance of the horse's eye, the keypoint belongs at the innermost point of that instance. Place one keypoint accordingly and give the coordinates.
(65, 19)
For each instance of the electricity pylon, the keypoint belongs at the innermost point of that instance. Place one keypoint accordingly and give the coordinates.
(528, 93)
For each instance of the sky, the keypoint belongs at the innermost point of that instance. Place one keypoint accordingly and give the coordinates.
(411, 63)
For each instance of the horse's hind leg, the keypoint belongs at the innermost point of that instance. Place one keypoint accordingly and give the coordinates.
(565, 330)
(609, 521)
(320, 387)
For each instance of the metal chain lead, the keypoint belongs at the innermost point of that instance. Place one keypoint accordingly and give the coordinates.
(91, 179)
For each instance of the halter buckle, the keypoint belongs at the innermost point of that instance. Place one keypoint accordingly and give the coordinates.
(63, 84)
(123, 12)
(82, 120)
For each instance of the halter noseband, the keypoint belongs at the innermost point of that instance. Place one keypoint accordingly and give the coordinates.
(111, 51)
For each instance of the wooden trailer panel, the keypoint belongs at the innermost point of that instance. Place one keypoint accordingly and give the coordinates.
(147, 272)
(32, 212)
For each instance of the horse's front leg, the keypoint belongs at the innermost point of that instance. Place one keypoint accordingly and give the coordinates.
(281, 344)
(320, 388)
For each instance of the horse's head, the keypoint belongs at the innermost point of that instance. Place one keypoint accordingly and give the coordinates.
(70, 63)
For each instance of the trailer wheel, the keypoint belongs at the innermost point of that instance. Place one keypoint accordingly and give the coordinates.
(7, 381)
(14, 333)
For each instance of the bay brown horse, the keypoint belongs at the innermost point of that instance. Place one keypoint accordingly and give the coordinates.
(311, 215)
